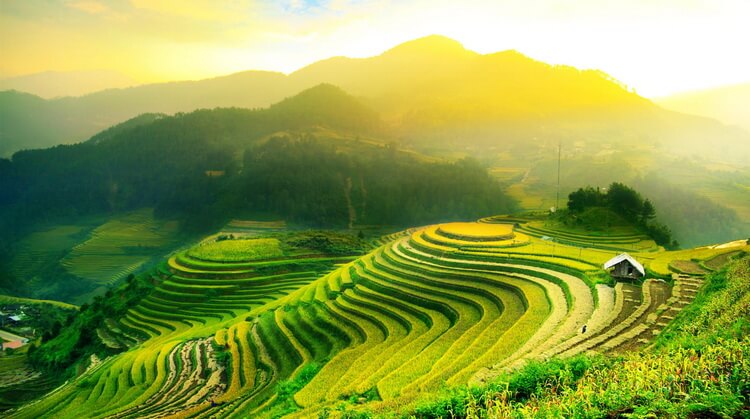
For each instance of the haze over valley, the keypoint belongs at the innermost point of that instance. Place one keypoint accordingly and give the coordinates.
(315, 209)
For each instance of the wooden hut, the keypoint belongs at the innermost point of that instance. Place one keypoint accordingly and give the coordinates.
(624, 266)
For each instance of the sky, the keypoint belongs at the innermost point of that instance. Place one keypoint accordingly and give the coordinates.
(657, 47)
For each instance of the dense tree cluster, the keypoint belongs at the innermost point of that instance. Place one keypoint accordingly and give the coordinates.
(308, 182)
(626, 202)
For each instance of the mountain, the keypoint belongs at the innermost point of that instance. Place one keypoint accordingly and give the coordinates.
(51, 84)
(432, 92)
(162, 161)
(436, 76)
(728, 104)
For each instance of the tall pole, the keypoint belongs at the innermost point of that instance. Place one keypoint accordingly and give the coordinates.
(557, 198)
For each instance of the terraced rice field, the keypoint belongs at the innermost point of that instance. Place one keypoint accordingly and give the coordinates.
(120, 247)
(629, 241)
(454, 303)
(19, 382)
(696, 261)
(44, 248)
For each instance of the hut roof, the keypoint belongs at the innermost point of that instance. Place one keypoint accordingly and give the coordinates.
(622, 257)
(14, 344)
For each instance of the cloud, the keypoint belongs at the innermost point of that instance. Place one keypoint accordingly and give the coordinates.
(88, 6)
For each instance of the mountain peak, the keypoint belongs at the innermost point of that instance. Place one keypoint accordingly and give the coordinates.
(429, 45)
(327, 104)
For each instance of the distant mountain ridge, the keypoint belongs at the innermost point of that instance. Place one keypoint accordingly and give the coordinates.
(729, 104)
(430, 91)
(52, 84)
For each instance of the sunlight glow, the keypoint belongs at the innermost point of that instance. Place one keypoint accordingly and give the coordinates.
(658, 47)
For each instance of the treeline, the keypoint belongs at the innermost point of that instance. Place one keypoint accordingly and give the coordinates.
(627, 203)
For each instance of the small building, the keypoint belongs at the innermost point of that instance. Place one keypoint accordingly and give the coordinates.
(624, 266)
(14, 344)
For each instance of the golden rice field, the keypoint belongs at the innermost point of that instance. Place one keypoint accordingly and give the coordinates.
(477, 231)
(449, 304)
(237, 250)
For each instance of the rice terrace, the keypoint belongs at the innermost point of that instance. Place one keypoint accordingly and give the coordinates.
(325, 209)
(453, 304)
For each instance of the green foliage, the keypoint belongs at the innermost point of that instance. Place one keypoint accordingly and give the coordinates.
(647, 211)
(625, 201)
(535, 379)
(584, 198)
(285, 391)
(620, 198)
(662, 235)
(223, 356)
(592, 219)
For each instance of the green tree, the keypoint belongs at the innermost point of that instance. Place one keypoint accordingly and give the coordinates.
(625, 201)
(648, 212)
(584, 198)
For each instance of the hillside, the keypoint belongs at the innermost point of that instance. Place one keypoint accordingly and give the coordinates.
(727, 104)
(78, 219)
(275, 330)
